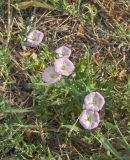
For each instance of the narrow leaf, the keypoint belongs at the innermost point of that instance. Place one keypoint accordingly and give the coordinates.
(27, 4)
(106, 144)
(16, 110)
(124, 145)
(76, 129)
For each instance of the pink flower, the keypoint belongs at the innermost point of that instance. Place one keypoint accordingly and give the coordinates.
(94, 101)
(64, 66)
(89, 119)
(34, 38)
(50, 76)
(63, 51)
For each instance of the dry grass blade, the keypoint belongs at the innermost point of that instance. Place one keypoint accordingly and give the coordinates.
(27, 4)
(9, 23)
(1, 116)
(26, 53)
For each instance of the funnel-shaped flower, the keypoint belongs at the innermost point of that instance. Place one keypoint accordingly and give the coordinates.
(63, 51)
(50, 76)
(94, 101)
(34, 38)
(89, 119)
(64, 66)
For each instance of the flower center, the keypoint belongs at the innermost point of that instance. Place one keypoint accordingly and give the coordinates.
(52, 75)
(63, 53)
(34, 37)
(89, 118)
(95, 101)
(63, 67)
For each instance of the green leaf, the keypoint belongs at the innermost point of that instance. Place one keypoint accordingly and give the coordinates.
(16, 110)
(106, 144)
(76, 129)
(128, 123)
(109, 125)
(124, 145)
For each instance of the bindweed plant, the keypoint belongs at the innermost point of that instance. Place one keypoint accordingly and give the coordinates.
(64, 93)
(59, 102)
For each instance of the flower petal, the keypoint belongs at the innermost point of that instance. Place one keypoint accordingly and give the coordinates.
(50, 76)
(64, 66)
(94, 101)
(63, 51)
(34, 38)
(89, 124)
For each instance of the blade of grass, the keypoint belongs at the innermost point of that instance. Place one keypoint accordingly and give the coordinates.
(16, 110)
(27, 4)
(106, 144)
(124, 145)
